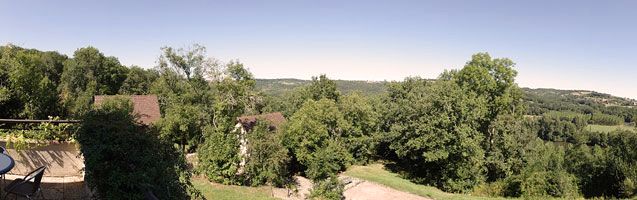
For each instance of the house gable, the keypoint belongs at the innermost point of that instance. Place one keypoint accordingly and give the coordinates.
(145, 106)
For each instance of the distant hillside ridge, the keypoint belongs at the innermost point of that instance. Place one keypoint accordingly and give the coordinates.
(282, 85)
(583, 95)
(539, 100)
(543, 100)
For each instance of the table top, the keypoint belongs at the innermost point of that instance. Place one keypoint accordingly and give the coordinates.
(6, 163)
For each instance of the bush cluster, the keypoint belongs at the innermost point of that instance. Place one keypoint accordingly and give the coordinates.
(124, 159)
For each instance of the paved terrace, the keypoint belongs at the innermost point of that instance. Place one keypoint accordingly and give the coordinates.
(63, 178)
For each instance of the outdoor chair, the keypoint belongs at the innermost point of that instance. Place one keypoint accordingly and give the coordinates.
(27, 187)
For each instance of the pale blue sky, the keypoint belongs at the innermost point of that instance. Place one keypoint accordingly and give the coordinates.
(557, 44)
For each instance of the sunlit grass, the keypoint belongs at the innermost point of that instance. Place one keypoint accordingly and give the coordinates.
(607, 129)
(230, 192)
(376, 173)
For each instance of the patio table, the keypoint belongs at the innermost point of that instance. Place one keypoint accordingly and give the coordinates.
(6, 164)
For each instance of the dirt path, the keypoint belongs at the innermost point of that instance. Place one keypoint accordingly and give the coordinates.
(365, 190)
(355, 189)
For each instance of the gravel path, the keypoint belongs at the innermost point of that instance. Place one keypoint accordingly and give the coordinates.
(355, 189)
(365, 190)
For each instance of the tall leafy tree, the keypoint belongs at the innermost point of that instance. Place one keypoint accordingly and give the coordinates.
(267, 159)
(494, 79)
(235, 90)
(436, 133)
(138, 81)
(359, 111)
(183, 125)
(196, 87)
(219, 156)
(315, 135)
(184, 94)
(322, 87)
(28, 82)
(89, 73)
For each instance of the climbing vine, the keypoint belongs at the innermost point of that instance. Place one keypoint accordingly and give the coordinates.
(25, 136)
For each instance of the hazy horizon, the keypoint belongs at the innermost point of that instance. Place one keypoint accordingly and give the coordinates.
(578, 45)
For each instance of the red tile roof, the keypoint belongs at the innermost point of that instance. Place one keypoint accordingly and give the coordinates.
(146, 106)
(274, 119)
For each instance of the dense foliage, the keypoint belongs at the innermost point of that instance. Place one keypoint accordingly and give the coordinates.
(467, 129)
(314, 134)
(266, 160)
(124, 160)
(219, 156)
(29, 82)
(436, 132)
(606, 170)
(471, 130)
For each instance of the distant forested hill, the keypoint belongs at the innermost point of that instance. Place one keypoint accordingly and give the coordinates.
(581, 101)
(538, 101)
(280, 86)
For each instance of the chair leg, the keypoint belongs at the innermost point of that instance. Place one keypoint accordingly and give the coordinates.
(41, 194)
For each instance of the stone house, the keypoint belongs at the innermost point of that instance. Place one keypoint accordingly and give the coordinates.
(244, 126)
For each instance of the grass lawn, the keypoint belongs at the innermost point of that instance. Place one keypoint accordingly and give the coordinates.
(376, 173)
(231, 192)
(607, 129)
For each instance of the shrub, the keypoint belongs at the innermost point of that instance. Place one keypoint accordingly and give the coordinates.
(327, 189)
(125, 159)
(326, 161)
(540, 184)
(493, 189)
(219, 156)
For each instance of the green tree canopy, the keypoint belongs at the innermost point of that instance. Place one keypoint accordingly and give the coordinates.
(138, 81)
(364, 118)
(436, 133)
(89, 73)
(28, 83)
(315, 135)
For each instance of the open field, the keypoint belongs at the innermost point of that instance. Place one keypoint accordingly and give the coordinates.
(231, 192)
(606, 129)
(376, 173)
